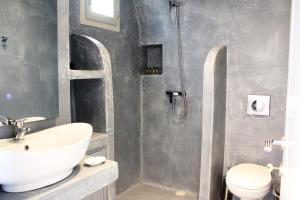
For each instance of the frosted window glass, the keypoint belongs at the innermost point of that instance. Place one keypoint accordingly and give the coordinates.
(103, 7)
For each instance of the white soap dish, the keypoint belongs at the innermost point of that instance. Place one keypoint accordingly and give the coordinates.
(94, 161)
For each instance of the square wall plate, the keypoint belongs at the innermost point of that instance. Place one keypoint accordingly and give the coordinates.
(258, 105)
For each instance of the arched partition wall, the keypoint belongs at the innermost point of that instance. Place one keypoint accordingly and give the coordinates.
(213, 123)
(86, 95)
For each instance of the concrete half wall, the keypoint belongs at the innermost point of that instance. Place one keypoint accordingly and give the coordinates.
(125, 57)
(213, 123)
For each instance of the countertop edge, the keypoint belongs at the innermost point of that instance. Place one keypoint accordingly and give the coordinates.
(81, 183)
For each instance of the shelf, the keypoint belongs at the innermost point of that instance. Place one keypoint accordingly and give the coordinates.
(88, 103)
(84, 74)
(98, 142)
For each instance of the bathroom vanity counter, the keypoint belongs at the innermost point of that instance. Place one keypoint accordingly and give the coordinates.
(81, 183)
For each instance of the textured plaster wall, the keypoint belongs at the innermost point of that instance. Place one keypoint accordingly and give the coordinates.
(170, 149)
(28, 78)
(125, 56)
(63, 63)
(256, 33)
(258, 38)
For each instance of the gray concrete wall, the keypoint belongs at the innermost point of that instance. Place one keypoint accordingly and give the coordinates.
(256, 33)
(63, 64)
(170, 149)
(29, 73)
(124, 51)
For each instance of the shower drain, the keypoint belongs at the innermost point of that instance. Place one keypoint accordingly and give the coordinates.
(180, 193)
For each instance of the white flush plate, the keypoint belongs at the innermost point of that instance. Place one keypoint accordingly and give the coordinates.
(258, 105)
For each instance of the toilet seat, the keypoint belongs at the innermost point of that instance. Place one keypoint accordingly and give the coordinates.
(246, 194)
(249, 177)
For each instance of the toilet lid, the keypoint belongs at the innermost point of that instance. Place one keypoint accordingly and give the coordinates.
(249, 176)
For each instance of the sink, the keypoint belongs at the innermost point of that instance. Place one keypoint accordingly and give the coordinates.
(42, 158)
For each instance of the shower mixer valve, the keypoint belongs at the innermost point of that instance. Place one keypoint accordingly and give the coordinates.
(174, 3)
(3, 40)
(173, 93)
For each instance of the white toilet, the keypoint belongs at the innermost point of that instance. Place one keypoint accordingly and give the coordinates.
(249, 181)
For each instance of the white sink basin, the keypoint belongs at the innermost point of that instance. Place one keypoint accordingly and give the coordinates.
(42, 158)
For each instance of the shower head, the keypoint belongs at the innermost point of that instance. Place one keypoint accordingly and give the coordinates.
(175, 3)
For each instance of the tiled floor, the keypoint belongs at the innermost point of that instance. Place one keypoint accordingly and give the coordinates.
(149, 192)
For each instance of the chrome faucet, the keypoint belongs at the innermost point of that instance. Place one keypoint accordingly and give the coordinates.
(17, 125)
(20, 129)
(4, 121)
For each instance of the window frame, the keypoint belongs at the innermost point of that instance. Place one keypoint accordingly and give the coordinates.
(87, 17)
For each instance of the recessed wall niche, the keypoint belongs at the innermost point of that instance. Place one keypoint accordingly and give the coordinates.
(84, 56)
(152, 59)
(88, 103)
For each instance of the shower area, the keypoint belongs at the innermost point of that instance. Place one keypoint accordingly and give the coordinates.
(171, 146)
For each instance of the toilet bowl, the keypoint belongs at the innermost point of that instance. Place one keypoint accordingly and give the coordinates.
(249, 181)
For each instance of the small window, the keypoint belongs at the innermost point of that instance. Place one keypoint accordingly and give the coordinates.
(102, 7)
(101, 13)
